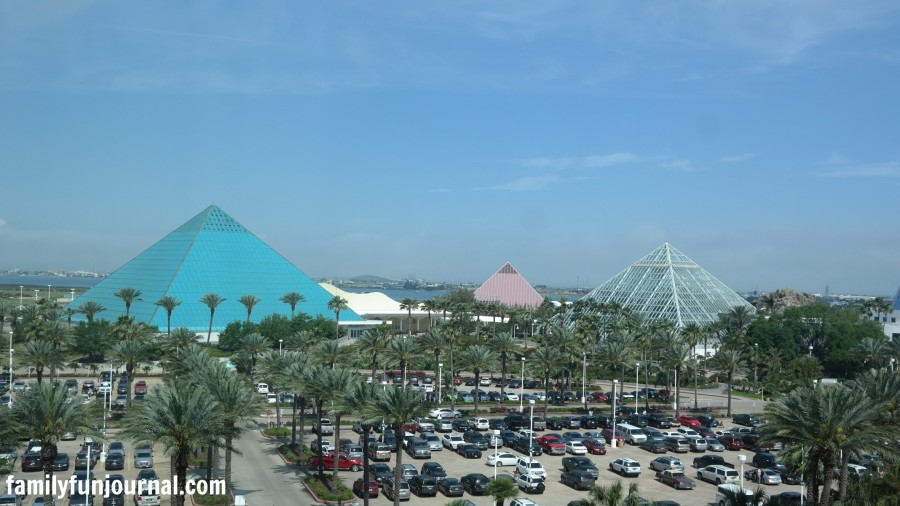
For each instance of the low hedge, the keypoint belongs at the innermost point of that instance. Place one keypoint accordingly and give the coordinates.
(324, 492)
(298, 455)
(210, 500)
(277, 431)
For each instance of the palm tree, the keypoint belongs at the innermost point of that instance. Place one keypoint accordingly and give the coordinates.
(692, 334)
(168, 303)
(181, 338)
(329, 353)
(128, 295)
(873, 351)
(337, 304)
(57, 333)
(46, 413)
(358, 398)
(477, 359)
(89, 309)
(501, 490)
(292, 299)
(249, 302)
(253, 345)
(339, 382)
(677, 355)
(430, 306)
(399, 352)
(373, 342)
(728, 360)
(40, 355)
(314, 384)
(433, 342)
(396, 406)
(545, 359)
(212, 301)
(505, 345)
(180, 417)
(6, 309)
(612, 495)
(130, 354)
(409, 304)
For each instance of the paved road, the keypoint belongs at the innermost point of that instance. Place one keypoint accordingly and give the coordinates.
(261, 476)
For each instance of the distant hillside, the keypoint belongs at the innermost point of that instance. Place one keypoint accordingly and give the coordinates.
(368, 278)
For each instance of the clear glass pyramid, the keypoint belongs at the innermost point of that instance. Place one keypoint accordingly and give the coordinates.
(667, 285)
(211, 253)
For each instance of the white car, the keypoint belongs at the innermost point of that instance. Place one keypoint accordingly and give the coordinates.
(512, 396)
(625, 467)
(271, 398)
(576, 448)
(440, 413)
(451, 441)
(479, 423)
(530, 467)
(262, 388)
(484, 382)
(501, 459)
(521, 501)
(689, 433)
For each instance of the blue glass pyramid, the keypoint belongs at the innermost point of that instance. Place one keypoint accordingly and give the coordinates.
(211, 253)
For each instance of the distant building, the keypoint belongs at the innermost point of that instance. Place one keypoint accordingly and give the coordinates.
(211, 253)
(667, 285)
(509, 288)
(890, 322)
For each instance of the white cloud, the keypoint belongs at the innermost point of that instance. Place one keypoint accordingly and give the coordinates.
(886, 169)
(736, 158)
(528, 183)
(582, 162)
(682, 165)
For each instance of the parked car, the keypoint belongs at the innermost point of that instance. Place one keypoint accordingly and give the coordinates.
(654, 446)
(387, 487)
(433, 469)
(461, 425)
(501, 459)
(380, 471)
(551, 444)
(580, 464)
(360, 486)
(475, 483)
(595, 446)
(746, 420)
(468, 451)
(677, 479)
(579, 480)
(677, 444)
(423, 486)
(113, 498)
(527, 446)
(379, 451)
(719, 474)
(625, 467)
(711, 460)
(451, 487)
(530, 467)
(345, 463)
(714, 445)
(61, 462)
(731, 442)
(666, 464)
(418, 449)
(143, 458)
(530, 484)
(115, 460)
(476, 438)
(575, 448)
(452, 441)
(763, 476)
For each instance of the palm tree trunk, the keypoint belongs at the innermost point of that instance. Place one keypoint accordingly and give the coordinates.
(452, 376)
(842, 484)
(302, 419)
(337, 439)
(294, 423)
(209, 332)
(477, 393)
(181, 466)
(319, 404)
(730, 381)
(366, 430)
(696, 406)
(502, 377)
(828, 471)
(228, 497)
(677, 390)
(546, 391)
(398, 430)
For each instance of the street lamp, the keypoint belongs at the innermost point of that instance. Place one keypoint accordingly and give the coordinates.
(280, 342)
(440, 382)
(20, 296)
(531, 431)
(522, 385)
(742, 458)
(71, 294)
(48, 291)
(584, 380)
(10, 364)
(496, 453)
(612, 438)
(810, 351)
(36, 295)
(637, 372)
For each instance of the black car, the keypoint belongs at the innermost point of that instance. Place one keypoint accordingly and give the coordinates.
(433, 469)
(572, 422)
(514, 384)
(477, 439)
(451, 487)
(638, 420)
(525, 446)
(115, 460)
(659, 421)
(380, 472)
(508, 436)
(746, 420)
(144, 475)
(423, 486)
(461, 425)
(763, 460)
(497, 424)
(85, 459)
(786, 477)
(708, 460)
(61, 462)
(556, 424)
(475, 483)
(516, 421)
(493, 396)
(708, 421)
(654, 446)
(468, 451)
(581, 464)
(786, 499)
(589, 422)
(115, 499)
(470, 382)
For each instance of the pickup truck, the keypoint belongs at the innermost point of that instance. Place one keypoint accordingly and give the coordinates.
(324, 427)
(552, 445)
(677, 479)
(719, 475)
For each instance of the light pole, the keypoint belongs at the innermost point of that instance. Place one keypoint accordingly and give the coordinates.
(584, 380)
(637, 374)
(675, 404)
(742, 458)
(440, 382)
(48, 291)
(36, 295)
(612, 438)
(522, 385)
(496, 453)
(531, 431)
(280, 342)
(810, 351)
(10, 364)
(20, 296)
(71, 294)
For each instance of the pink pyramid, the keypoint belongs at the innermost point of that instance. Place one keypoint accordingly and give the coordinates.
(509, 288)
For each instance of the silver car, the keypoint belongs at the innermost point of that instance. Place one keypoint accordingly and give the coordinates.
(143, 459)
(714, 445)
(387, 487)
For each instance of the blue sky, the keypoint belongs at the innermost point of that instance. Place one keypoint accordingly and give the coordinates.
(442, 139)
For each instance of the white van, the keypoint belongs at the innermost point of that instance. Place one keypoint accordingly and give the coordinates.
(723, 500)
(632, 434)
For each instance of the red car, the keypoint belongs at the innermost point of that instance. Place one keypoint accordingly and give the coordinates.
(731, 442)
(608, 435)
(345, 463)
(595, 446)
(688, 421)
(457, 381)
(140, 387)
(552, 445)
(359, 487)
(599, 396)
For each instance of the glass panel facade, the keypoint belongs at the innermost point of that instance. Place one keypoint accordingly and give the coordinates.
(211, 253)
(667, 285)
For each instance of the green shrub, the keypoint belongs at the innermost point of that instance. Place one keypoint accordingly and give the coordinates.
(322, 490)
(277, 431)
(293, 456)
(210, 500)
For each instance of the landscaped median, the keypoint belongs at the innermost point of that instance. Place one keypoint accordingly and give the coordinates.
(323, 492)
